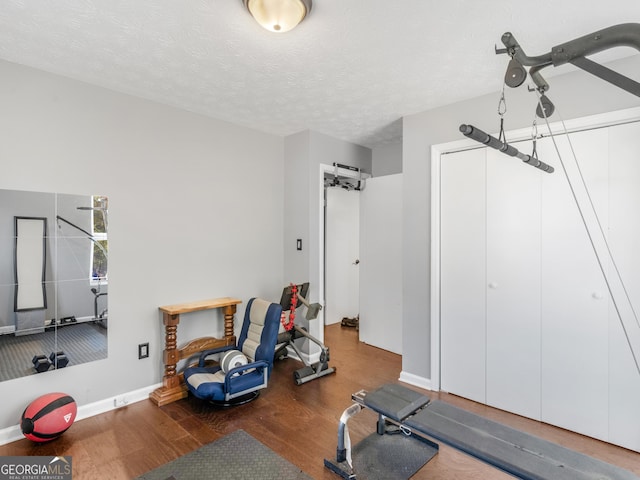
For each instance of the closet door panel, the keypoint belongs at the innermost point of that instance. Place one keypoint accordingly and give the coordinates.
(574, 298)
(463, 248)
(624, 239)
(513, 284)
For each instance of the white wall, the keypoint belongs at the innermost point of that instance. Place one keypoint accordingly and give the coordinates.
(575, 94)
(304, 153)
(195, 210)
(296, 207)
(387, 159)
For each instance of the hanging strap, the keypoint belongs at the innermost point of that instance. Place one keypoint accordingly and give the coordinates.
(534, 138)
(502, 109)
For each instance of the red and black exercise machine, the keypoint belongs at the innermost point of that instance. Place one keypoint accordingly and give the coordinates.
(291, 295)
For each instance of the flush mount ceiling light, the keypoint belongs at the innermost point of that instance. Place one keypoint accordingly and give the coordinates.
(278, 15)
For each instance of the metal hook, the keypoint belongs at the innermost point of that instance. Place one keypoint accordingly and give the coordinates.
(534, 138)
(502, 105)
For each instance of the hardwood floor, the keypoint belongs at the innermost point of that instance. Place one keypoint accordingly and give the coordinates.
(298, 422)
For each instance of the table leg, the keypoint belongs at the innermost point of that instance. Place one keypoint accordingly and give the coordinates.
(172, 388)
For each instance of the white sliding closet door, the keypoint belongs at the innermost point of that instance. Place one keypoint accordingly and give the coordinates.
(624, 227)
(513, 281)
(527, 322)
(463, 279)
(574, 294)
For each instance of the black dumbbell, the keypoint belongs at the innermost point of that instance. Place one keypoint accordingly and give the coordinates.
(41, 363)
(58, 359)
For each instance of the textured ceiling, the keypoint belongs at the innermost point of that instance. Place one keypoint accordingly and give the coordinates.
(351, 70)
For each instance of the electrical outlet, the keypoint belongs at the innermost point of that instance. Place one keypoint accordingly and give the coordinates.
(143, 350)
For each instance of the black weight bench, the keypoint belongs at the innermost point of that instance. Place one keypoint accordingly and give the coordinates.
(517, 453)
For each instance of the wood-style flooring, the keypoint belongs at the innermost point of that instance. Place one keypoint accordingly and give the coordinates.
(298, 422)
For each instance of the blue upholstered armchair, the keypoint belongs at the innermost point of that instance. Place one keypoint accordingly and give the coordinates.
(244, 369)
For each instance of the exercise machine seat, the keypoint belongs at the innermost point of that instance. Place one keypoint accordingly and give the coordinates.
(240, 381)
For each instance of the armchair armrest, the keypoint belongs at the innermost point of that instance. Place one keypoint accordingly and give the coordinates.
(231, 377)
(204, 354)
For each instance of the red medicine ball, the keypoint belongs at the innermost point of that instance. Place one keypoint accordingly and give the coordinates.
(48, 417)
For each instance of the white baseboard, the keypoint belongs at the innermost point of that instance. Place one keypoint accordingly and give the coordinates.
(7, 329)
(415, 380)
(309, 359)
(13, 433)
(118, 401)
(10, 434)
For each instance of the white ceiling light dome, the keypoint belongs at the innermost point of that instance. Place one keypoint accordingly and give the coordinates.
(278, 15)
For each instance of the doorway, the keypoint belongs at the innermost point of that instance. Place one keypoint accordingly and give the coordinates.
(344, 176)
(342, 239)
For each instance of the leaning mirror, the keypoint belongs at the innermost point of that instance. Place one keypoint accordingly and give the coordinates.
(53, 281)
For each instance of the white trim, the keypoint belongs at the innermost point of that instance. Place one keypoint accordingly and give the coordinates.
(7, 329)
(11, 434)
(415, 380)
(321, 205)
(435, 268)
(574, 125)
(310, 359)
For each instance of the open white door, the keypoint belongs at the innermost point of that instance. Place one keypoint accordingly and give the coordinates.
(381, 263)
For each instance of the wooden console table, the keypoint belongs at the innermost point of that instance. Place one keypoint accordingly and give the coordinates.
(173, 387)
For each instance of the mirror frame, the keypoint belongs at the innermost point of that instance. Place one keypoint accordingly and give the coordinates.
(27, 261)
